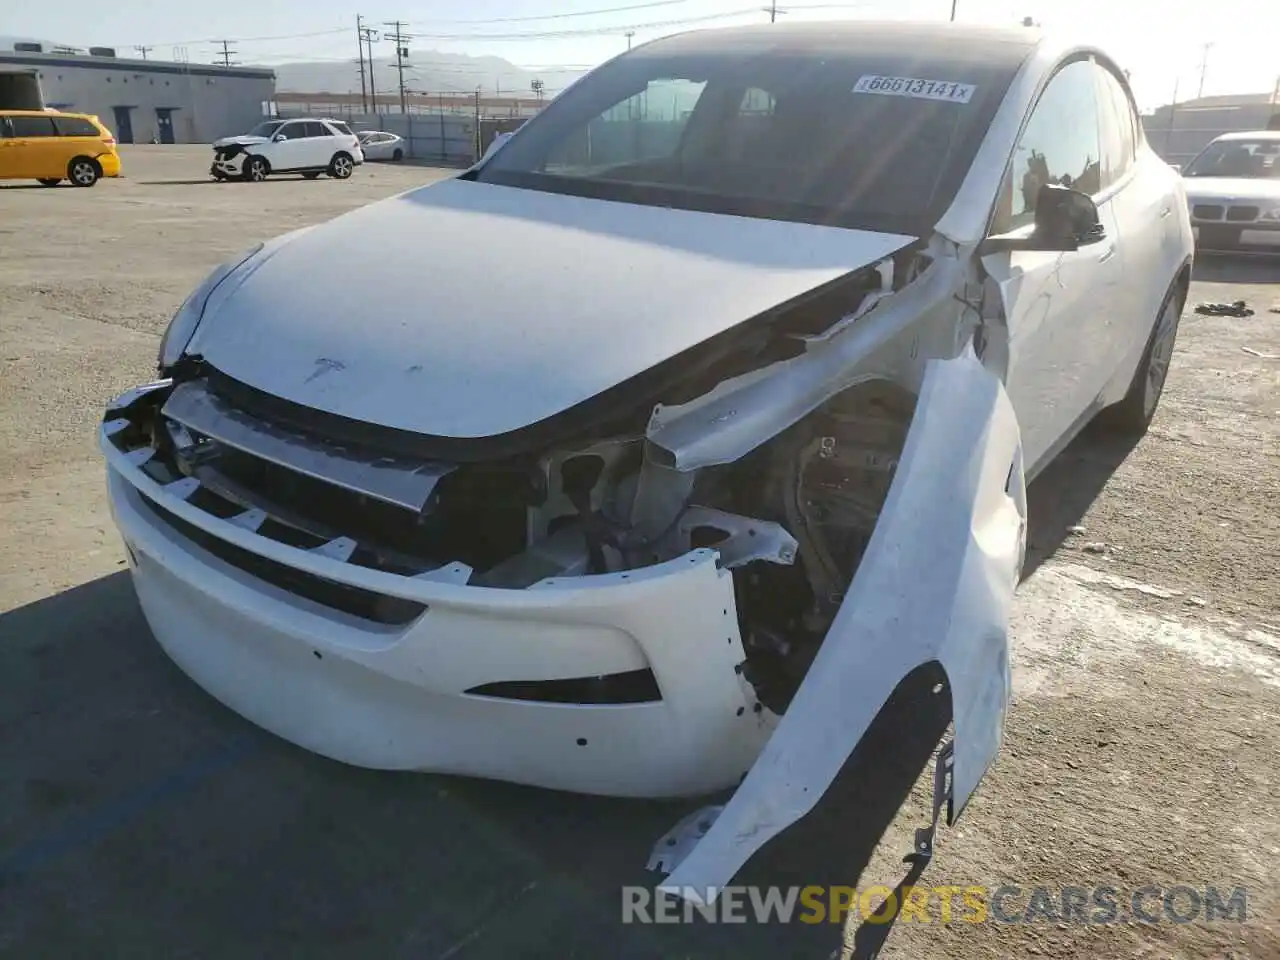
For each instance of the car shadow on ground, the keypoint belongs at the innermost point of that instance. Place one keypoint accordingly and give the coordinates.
(200, 834)
(1063, 492)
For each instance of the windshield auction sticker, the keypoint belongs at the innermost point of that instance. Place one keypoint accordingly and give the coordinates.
(916, 88)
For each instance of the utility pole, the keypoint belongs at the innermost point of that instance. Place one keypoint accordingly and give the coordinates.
(772, 10)
(370, 35)
(629, 34)
(143, 51)
(1204, 68)
(227, 53)
(953, 10)
(364, 102)
(1173, 111)
(402, 54)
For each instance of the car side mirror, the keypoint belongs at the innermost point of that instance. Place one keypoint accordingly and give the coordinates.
(1065, 220)
(279, 138)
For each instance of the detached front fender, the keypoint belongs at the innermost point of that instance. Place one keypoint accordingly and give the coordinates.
(935, 584)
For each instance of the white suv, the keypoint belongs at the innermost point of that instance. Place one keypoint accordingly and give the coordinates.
(308, 147)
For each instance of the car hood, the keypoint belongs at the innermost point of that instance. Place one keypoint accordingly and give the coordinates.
(244, 140)
(469, 310)
(1232, 188)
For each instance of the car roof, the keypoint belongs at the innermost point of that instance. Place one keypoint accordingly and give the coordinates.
(910, 40)
(1250, 135)
(47, 113)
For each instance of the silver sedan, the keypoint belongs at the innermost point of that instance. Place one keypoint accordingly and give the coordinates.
(379, 145)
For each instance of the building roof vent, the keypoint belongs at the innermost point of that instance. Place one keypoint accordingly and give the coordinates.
(102, 51)
(23, 47)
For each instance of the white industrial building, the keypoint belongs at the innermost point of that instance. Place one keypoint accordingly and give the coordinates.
(141, 99)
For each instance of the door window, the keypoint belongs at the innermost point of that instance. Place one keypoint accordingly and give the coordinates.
(294, 131)
(1117, 127)
(75, 127)
(317, 130)
(31, 127)
(1059, 145)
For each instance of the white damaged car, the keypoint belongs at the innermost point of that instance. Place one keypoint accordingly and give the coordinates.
(726, 440)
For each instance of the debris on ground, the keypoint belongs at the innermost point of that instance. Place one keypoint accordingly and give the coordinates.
(1096, 547)
(1258, 353)
(1197, 601)
(1076, 530)
(1237, 308)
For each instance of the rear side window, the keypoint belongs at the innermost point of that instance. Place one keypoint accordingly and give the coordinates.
(75, 127)
(1117, 128)
(31, 127)
(342, 128)
(315, 129)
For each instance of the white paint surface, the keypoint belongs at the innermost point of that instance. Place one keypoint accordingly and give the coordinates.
(468, 310)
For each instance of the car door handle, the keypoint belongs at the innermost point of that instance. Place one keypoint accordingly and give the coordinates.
(1107, 254)
(1165, 211)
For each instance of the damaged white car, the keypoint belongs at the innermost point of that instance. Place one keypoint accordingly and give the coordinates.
(685, 428)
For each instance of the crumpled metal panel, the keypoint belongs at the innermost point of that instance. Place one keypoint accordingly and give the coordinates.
(936, 584)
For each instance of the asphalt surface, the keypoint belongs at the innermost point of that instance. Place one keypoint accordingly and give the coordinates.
(140, 818)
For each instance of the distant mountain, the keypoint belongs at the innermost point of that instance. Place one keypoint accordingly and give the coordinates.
(427, 71)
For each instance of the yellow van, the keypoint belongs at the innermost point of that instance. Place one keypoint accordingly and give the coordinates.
(50, 146)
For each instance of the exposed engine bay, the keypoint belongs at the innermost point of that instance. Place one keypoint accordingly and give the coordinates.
(791, 520)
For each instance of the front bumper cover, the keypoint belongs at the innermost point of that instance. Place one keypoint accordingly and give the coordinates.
(395, 696)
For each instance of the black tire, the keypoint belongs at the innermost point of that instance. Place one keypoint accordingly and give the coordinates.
(83, 171)
(398, 155)
(50, 181)
(1132, 415)
(255, 169)
(311, 175)
(1220, 238)
(341, 166)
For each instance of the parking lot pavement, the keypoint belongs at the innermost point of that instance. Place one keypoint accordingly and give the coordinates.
(140, 818)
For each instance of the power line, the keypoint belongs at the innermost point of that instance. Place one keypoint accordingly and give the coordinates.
(564, 16)
(589, 31)
(224, 59)
(399, 38)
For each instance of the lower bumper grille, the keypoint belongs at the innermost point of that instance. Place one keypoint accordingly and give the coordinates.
(356, 601)
(1242, 214)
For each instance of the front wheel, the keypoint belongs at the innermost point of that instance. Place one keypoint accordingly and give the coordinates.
(50, 181)
(1132, 415)
(398, 155)
(83, 172)
(341, 166)
(256, 169)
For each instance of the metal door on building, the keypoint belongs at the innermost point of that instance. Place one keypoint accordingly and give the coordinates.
(124, 124)
(164, 120)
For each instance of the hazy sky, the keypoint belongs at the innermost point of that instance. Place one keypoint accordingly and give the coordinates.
(1159, 41)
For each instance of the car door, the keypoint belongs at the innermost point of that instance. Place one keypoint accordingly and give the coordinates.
(321, 144)
(935, 586)
(288, 148)
(1058, 306)
(32, 149)
(8, 150)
